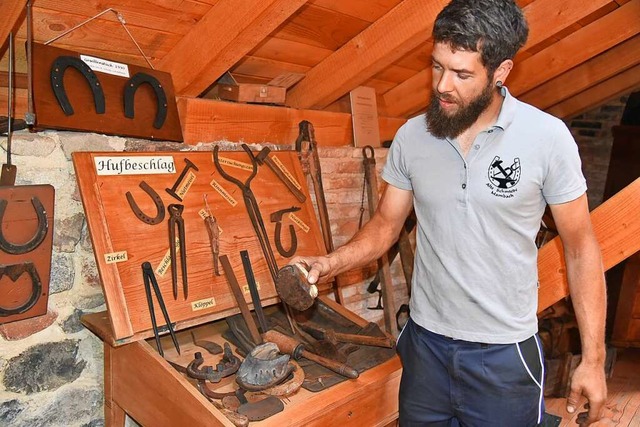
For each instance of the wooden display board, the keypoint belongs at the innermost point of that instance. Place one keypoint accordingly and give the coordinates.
(113, 79)
(105, 178)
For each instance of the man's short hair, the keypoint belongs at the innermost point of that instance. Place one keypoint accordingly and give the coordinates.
(496, 29)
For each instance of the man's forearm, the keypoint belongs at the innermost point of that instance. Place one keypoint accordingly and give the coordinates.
(588, 295)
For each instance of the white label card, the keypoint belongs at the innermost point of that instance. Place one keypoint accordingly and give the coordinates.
(134, 165)
(104, 66)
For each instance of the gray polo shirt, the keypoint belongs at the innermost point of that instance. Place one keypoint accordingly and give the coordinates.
(475, 272)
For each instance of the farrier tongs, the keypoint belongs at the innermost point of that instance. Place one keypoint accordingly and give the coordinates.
(149, 279)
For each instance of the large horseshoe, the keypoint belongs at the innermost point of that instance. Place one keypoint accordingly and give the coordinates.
(58, 68)
(14, 272)
(161, 98)
(156, 199)
(34, 242)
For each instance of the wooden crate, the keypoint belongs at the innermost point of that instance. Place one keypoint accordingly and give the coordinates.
(138, 381)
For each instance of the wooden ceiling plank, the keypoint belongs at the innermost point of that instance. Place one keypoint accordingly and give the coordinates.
(317, 26)
(173, 16)
(409, 95)
(11, 11)
(104, 35)
(576, 48)
(611, 88)
(267, 68)
(281, 50)
(385, 41)
(367, 10)
(230, 30)
(593, 71)
(547, 17)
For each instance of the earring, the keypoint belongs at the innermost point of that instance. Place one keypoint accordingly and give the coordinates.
(499, 83)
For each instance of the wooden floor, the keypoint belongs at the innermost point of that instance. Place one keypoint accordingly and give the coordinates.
(623, 403)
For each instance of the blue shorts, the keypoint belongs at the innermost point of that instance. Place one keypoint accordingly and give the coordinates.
(447, 382)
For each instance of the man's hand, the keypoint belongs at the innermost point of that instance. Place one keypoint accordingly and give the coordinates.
(318, 267)
(589, 381)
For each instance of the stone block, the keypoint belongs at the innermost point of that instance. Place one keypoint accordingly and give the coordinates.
(44, 367)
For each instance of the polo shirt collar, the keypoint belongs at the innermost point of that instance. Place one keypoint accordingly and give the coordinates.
(507, 111)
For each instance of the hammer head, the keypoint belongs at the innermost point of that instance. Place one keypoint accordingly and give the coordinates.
(263, 155)
(293, 287)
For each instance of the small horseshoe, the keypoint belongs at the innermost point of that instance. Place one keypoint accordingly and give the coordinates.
(14, 272)
(161, 97)
(34, 242)
(58, 68)
(156, 199)
(294, 241)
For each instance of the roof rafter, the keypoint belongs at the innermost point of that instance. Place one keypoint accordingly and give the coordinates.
(602, 92)
(385, 41)
(592, 72)
(582, 45)
(11, 11)
(230, 30)
(545, 17)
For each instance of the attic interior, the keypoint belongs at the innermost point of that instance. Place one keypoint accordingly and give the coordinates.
(307, 59)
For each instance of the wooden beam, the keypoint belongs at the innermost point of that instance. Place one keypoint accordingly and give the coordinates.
(11, 12)
(210, 120)
(624, 82)
(544, 17)
(385, 41)
(606, 65)
(230, 30)
(595, 38)
(617, 227)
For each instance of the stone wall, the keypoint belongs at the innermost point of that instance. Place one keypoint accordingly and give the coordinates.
(51, 367)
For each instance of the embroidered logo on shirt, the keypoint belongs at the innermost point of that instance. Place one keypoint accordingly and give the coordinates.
(503, 177)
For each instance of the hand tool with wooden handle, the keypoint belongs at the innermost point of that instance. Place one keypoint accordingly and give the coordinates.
(335, 337)
(264, 159)
(296, 349)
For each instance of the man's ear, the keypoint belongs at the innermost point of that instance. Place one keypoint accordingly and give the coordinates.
(503, 70)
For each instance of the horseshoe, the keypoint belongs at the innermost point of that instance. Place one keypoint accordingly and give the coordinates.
(41, 232)
(156, 199)
(58, 69)
(161, 97)
(14, 272)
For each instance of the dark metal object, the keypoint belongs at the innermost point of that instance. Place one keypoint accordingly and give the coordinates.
(172, 190)
(336, 337)
(263, 158)
(150, 281)
(253, 289)
(228, 365)
(8, 174)
(210, 346)
(14, 272)
(161, 97)
(264, 367)
(176, 221)
(156, 200)
(38, 237)
(30, 116)
(237, 419)
(213, 231)
(205, 390)
(252, 206)
(257, 411)
(311, 165)
(293, 287)
(58, 68)
(242, 304)
(277, 218)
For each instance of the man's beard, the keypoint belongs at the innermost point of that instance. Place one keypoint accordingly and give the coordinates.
(441, 125)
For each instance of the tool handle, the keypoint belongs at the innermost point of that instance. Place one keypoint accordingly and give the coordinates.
(364, 340)
(285, 179)
(291, 346)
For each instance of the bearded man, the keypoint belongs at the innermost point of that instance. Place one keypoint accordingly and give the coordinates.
(479, 168)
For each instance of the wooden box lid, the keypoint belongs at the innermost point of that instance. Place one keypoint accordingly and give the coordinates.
(117, 233)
